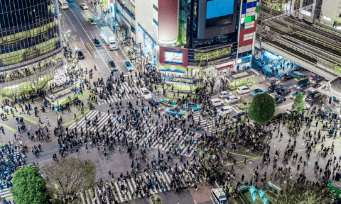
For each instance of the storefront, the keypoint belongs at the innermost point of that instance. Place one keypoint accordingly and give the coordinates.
(224, 68)
(148, 45)
(243, 63)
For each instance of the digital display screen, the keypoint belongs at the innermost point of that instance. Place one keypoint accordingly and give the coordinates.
(173, 57)
(217, 8)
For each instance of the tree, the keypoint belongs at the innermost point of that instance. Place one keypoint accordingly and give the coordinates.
(298, 103)
(68, 177)
(301, 194)
(213, 80)
(262, 108)
(29, 187)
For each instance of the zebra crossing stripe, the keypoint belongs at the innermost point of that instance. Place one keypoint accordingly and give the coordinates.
(118, 192)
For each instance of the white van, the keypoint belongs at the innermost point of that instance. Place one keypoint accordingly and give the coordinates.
(217, 102)
(243, 89)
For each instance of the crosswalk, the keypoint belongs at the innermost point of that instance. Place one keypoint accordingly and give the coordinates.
(4, 193)
(116, 97)
(132, 188)
(174, 139)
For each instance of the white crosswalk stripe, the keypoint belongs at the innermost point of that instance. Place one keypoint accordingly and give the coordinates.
(125, 86)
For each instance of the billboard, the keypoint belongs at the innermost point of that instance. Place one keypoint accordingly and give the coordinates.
(218, 8)
(174, 57)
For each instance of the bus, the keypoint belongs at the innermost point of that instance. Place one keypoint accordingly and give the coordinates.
(218, 196)
(63, 4)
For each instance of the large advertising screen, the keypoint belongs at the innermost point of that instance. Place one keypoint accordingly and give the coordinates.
(217, 8)
(175, 57)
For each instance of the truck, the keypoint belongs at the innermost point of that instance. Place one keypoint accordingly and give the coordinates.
(109, 38)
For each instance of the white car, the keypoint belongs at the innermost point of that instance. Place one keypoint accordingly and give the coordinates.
(243, 89)
(217, 102)
(113, 46)
(224, 94)
(146, 94)
(232, 99)
(225, 110)
(84, 6)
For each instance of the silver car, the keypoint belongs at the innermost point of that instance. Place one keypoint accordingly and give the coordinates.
(232, 99)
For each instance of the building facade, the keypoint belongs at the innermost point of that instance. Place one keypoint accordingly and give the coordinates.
(29, 33)
(191, 34)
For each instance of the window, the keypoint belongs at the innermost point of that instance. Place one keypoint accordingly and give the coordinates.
(156, 23)
(155, 7)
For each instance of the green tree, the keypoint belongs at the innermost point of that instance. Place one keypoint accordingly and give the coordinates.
(262, 108)
(68, 177)
(298, 103)
(29, 187)
(301, 194)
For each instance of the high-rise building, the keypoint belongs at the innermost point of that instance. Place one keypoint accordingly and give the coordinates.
(193, 34)
(29, 32)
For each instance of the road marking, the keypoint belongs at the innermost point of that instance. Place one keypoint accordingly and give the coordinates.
(90, 40)
(70, 21)
(235, 109)
(284, 105)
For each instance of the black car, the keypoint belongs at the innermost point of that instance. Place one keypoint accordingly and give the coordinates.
(317, 79)
(112, 65)
(280, 99)
(284, 92)
(97, 42)
(304, 86)
(313, 96)
(287, 77)
(153, 103)
(80, 55)
(304, 81)
(275, 87)
(316, 86)
(239, 115)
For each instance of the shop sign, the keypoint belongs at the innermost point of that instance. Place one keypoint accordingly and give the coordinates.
(307, 13)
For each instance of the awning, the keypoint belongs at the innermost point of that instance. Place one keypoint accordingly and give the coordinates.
(224, 67)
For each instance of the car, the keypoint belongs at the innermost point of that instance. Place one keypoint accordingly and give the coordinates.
(317, 79)
(313, 96)
(146, 94)
(224, 94)
(283, 92)
(243, 89)
(112, 65)
(167, 102)
(275, 87)
(174, 111)
(225, 110)
(113, 46)
(232, 99)
(128, 66)
(80, 54)
(97, 42)
(316, 86)
(192, 106)
(239, 116)
(304, 86)
(294, 95)
(92, 21)
(287, 77)
(304, 81)
(217, 102)
(153, 103)
(83, 6)
(258, 91)
(280, 99)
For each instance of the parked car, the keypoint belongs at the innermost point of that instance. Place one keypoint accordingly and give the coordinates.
(224, 94)
(167, 102)
(146, 94)
(192, 106)
(280, 99)
(305, 85)
(128, 66)
(232, 99)
(275, 87)
(239, 116)
(316, 86)
(304, 81)
(317, 79)
(83, 6)
(174, 111)
(153, 102)
(313, 96)
(97, 42)
(217, 102)
(92, 21)
(294, 95)
(258, 91)
(287, 77)
(283, 92)
(80, 54)
(243, 89)
(225, 110)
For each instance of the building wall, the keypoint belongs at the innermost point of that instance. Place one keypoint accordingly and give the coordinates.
(146, 15)
(28, 30)
(331, 10)
(168, 20)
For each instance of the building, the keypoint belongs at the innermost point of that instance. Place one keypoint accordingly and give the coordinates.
(29, 34)
(191, 35)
